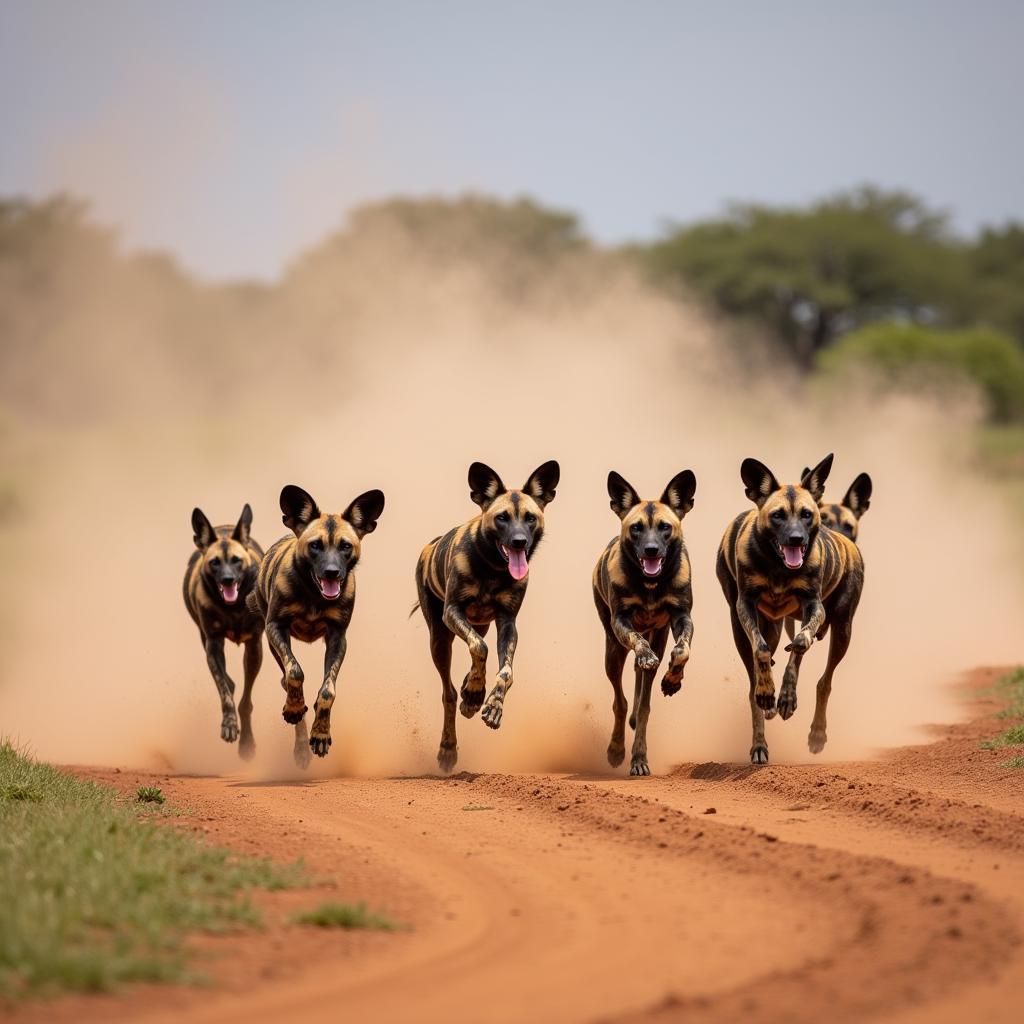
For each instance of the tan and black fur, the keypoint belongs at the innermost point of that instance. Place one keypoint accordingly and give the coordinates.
(307, 589)
(465, 582)
(844, 516)
(642, 590)
(762, 589)
(220, 576)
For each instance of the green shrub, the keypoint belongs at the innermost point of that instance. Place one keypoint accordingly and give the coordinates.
(914, 357)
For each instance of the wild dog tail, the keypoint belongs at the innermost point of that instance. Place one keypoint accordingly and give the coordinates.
(414, 610)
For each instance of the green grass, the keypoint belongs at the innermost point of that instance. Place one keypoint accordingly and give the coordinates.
(1009, 688)
(478, 807)
(1014, 762)
(344, 915)
(1013, 737)
(93, 895)
(149, 795)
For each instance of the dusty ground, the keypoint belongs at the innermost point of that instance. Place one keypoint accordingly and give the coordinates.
(886, 890)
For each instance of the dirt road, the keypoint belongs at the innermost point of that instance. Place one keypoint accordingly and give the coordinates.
(885, 890)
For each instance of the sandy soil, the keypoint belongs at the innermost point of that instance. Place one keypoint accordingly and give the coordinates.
(883, 890)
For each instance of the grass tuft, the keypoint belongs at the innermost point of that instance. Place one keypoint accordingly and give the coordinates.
(149, 795)
(93, 896)
(1013, 737)
(478, 807)
(1014, 762)
(344, 915)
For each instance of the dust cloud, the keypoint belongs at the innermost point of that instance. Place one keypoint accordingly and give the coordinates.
(395, 370)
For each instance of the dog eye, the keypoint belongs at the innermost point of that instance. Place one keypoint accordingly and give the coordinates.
(778, 515)
(635, 528)
(502, 517)
(344, 546)
(530, 518)
(316, 545)
(664, 527)
(805, 513)
(235, 560)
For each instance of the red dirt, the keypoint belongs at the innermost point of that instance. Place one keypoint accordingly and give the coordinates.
(882, 890)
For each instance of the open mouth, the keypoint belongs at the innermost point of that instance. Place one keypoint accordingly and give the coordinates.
(792, 555)
(229, 591)
(652, 566)
(329, 588)
(518, 567)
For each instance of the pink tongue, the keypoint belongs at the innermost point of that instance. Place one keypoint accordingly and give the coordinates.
(652, 566)
(794, 557)
(230, 592)
(330, 588)
(517, 564)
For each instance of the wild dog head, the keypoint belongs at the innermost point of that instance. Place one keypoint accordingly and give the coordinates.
(844, 517)
(327, 547)
(226, 560)
(788, 517)
(512, 521)
(652, 531)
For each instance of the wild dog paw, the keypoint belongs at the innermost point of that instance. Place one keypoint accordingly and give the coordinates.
(764, 695)
(229, 727)
(759, 753)
(646, 659)
(616, 754)
(472, 697)
(801, 642)
(319, 743)
(294, 709)
(447, 757)
(673, 680)
(787, 701)
(492, 712)
(639, 766)
(816, 740)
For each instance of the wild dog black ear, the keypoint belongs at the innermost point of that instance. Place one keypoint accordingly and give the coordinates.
(813, 480)
(484, 484)
(758, 480)
(680, 491)
(858, 497)
(804, 472)
(243, 526)
(364, 512)
(202, 532)
(298, 507)
(622, 494)
(542, 483)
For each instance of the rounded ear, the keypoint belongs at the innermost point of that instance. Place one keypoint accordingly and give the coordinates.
(542, 483)
(679, 492)
(758, 480)
(202, 532)
(858, 497)
(298, 507)
(243, 526)
(364, 512)
(814, 479)
(484, 484)
(622, 494)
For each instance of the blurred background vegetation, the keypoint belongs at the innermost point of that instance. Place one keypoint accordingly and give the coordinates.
(865, 281)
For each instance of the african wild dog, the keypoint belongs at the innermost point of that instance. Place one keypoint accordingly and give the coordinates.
(642, 589)
(843, 516)
(220, 576)
(475, 575)
(307, 589)
(774, 561)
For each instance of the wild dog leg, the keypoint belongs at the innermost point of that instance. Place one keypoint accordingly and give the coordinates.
(475, 686)
(758, 745)
(645, 678)
(614, 659)
(334, 655)
(225, 688)
(841, 630)
(279, 638)
(300, 750)
(764, 684)
(508, 637)
(472, 700)
(682, 631)
(633, 641)
(253, 660)
(813, 616)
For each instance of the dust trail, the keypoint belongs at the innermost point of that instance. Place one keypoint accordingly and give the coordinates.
(394, 371)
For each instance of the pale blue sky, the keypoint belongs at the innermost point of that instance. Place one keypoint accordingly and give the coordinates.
(237, 133)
